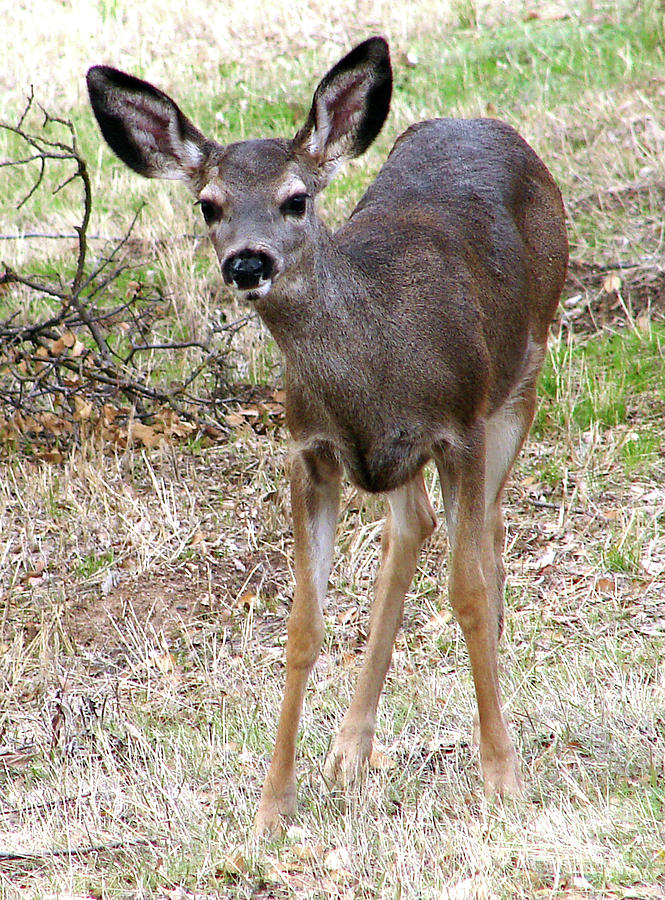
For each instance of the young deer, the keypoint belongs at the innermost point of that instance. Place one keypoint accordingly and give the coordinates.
(414, 332)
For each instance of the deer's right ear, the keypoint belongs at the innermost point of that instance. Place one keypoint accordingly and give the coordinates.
(349, 108)
(143, 126)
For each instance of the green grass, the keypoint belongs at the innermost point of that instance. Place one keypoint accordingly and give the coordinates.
(640, 452)
(93, 563)
(516, 65)
(519, 64)
(607, 381)
(523, 62)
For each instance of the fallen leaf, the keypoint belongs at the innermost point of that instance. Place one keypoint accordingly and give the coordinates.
(611, 283)
(546, 560)
(37, 572)
(381, 760)
(337, 860)
(17, 759)
(109, 413)
(250, 412)
(82, 409)
(467, 889)
(146, 434)
(643, 321)
(304, 852)
(605, 584)
(165, 662)
(338, 872)
(642, 892)
(612, 514)
(57, 347)
(64, 342)
(438, 621)
(348, 616)
(51, 456)
(77, 348)
(234, 863)
(109, 582)
(246, 601)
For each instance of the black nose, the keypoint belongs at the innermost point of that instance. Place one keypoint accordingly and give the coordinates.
(247, 269)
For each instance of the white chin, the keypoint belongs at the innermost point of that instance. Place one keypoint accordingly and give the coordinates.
(260, 291)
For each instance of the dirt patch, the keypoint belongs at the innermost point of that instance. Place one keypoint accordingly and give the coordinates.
(180, 599)
(600, 297)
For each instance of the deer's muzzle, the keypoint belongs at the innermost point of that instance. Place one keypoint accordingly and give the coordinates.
(248, 269)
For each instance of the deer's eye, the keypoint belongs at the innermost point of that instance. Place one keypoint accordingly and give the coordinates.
(294, 206)
(211, 212)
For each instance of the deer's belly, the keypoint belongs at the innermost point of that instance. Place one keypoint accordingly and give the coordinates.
(385, 467)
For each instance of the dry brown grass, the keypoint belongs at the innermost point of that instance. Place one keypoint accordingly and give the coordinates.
(137, 710)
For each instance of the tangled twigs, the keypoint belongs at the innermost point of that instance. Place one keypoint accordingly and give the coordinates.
(79, 363)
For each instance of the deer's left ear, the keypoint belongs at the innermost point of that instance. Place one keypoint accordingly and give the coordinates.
(349, 108)
(143, 126)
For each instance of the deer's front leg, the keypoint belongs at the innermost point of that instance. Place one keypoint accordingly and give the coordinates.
(315, 484)
(409, 523)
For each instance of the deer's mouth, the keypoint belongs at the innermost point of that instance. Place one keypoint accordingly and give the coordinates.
(260, 291)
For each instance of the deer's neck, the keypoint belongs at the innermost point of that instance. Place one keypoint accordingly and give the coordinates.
(320, 309)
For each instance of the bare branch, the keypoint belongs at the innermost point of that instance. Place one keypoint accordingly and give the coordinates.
(28, 105)
(86, 356)
(76, 852)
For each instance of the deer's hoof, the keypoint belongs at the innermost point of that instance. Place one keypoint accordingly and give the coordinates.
(273, 809)
(501, 776)
(347, 759)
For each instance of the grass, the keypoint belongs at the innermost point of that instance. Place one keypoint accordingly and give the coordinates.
(526, 61)
(144, 593)
(612, 381)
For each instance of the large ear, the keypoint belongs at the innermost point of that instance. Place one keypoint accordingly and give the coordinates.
(349, 108)
(143, 126)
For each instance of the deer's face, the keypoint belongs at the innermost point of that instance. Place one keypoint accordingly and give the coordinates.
(258, 204)
(256, 196)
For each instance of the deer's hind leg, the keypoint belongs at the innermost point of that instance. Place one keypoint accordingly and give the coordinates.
(410, 521)
(506, 431)
(472, 483)
(505, 434)
(474, 581)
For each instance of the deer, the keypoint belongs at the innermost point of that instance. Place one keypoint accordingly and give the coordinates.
(414, 333)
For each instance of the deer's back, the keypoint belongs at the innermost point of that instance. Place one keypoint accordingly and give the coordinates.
(464, 230)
